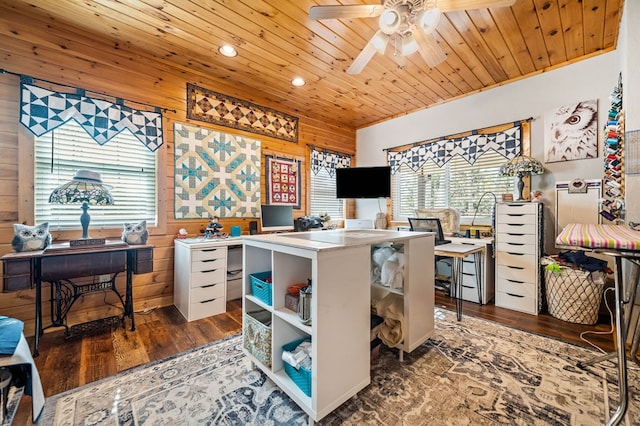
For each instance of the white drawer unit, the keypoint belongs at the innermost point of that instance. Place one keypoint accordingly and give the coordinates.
(519, 244)
(469, 279)
(200, 279)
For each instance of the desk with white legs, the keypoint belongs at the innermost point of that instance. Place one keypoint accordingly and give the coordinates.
(457, 252)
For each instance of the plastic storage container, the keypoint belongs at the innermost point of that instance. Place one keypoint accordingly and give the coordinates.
(302, 376)
(260, 288)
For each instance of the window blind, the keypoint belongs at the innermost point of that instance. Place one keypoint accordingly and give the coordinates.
(457, 184)
(128, 169)
(323, 195)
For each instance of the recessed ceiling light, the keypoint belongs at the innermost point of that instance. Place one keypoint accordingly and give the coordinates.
(228, 50)
(298, 81)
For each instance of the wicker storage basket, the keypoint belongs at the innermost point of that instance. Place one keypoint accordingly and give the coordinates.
(573, 295)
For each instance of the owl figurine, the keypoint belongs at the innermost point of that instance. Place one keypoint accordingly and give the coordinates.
(30, 238)
(135, 233)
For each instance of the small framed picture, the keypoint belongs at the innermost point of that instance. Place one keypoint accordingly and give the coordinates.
(507, 198)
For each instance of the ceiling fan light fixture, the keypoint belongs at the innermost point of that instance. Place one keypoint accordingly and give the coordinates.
(380, 41)
(409, 45)
(390, 21)
(428, 19)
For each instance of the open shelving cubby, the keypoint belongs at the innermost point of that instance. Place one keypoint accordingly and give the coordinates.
(340, 275)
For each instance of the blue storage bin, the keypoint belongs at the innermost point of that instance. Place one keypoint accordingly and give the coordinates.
(260, 288)
(301, 377)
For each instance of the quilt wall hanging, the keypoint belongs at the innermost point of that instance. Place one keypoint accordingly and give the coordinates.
(571, 132)
(217, 174)
(212, 107)
(506, 142)
(282, 181)
(42, 110)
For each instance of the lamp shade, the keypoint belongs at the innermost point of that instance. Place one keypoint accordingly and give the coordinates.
(85, 187)
(390, 21)
(428, 19)
(409, 45)
(522, 165)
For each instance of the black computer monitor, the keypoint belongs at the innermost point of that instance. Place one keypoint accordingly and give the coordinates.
(276, 218)
(363, 182)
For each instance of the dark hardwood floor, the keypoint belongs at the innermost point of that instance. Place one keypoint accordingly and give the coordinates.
(67, 364)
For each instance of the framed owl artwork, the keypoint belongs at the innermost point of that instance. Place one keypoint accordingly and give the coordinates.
(571, 132)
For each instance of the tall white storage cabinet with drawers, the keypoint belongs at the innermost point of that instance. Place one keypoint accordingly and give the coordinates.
(200, 276)
(518, 246)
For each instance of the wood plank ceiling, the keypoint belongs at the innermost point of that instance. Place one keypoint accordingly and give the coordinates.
(277, 41)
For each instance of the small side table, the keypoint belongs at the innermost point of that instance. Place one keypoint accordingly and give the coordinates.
(457, 252)
(5, 381)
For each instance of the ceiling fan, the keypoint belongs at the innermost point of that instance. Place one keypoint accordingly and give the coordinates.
(404, 26)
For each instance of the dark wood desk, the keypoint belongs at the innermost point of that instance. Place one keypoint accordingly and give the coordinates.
(60, 264)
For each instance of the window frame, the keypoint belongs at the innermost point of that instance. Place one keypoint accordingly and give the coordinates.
(525, 149)
(312, 175)
(26, 193)
(444, 176)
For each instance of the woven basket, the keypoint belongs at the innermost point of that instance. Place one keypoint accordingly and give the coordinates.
(573, 295)
(256, 333)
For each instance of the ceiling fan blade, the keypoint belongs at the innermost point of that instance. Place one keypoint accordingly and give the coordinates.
(454, 5)
(429, 49)
(364, 56)
(345, 11)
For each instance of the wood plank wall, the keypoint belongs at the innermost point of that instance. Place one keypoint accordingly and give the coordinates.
(70, 56)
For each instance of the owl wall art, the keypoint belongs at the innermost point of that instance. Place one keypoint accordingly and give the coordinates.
(571, 132)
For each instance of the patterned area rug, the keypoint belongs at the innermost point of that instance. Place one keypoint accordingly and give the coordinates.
(472, 372)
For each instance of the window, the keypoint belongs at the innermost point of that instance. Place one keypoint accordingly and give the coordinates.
(457, 185)
(123, 162)
(323, 195)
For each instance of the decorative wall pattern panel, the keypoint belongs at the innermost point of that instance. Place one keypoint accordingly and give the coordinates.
(330, 161)
(283, 181)
(42, 110)
(216, 174)
(212, 107)
(471, 147)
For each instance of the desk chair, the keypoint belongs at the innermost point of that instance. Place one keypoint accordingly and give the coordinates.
(433, 224)
(429, 224)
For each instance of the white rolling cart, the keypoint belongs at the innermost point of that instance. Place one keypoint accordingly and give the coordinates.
(338, 262)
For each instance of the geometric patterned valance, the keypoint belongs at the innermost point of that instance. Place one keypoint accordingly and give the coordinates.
(213, 107)
(471, 147)
(330, 161)
(42, 110)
